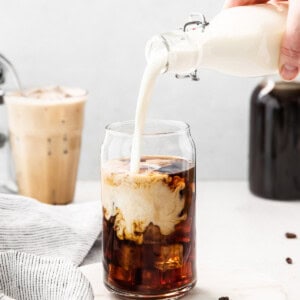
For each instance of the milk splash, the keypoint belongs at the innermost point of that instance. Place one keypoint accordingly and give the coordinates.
(155, 66)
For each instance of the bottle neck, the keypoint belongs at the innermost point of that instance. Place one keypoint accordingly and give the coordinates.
(180, 48)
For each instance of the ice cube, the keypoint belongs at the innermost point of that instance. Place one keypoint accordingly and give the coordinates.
(175, 167)
(171, 257)
(152, 234)
(129, 256)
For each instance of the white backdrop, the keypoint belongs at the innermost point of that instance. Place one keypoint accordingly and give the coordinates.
(99, 45)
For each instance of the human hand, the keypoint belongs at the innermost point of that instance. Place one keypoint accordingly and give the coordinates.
(289, 61)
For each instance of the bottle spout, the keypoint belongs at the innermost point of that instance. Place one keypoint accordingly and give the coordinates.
(158, 47)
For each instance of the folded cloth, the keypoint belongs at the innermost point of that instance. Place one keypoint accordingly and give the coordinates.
(25, 276)
(29, 226)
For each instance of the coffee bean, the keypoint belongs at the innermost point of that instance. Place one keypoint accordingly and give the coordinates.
(290, 235)
(289, 260)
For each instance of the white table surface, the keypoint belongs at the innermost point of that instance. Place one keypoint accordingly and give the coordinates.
(241, 244)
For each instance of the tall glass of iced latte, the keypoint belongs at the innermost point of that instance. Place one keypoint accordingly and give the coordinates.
(149, 215)
(45, 128)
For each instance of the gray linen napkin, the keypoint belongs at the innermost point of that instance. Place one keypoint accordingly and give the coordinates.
(39, 246)
(25, 276)
(69, 231)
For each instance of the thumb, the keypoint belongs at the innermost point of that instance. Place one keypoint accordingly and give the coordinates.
(289, 61)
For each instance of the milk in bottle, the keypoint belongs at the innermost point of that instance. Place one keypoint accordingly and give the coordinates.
(241, 41)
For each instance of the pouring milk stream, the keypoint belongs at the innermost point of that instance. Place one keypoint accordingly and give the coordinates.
(241, 41)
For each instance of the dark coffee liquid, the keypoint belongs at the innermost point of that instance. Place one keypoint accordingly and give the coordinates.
(274, 168)
(161, 263)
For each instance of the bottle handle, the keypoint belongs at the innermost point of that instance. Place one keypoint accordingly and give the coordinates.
(197, 19)
(193, 76)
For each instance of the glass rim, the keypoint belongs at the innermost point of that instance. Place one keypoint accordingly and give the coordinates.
(15, 96)
(179, 127)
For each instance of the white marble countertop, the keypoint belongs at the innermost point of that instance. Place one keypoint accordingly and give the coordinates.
(241, 244)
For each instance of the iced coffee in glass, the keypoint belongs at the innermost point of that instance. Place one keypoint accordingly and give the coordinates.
(149, 216)
(45, 126)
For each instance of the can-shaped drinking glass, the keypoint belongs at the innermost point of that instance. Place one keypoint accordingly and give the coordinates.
(149, 225)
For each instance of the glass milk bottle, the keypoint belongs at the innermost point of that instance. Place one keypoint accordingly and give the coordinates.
(241, 41)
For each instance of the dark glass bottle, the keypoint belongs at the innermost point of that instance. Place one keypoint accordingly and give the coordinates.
(274, 162)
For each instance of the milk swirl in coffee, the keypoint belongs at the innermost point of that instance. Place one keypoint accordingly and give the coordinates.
(149, 225)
